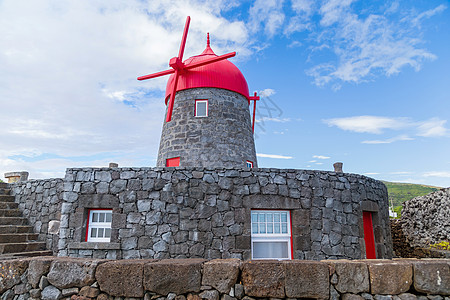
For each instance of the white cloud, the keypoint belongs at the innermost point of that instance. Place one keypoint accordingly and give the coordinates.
(428, 14)
(368, 124)
(400, 173)
(267, 92)
(366, 46)
(273, 156)
(445, 174)
(268, 14)
(321, 157)
(432, 128)
(389, 141)
(273, 119)
(371, 173)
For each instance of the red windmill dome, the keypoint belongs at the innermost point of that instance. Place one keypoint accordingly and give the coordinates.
(221, 74)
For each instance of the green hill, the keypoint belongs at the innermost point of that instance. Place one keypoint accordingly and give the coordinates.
(401, 192)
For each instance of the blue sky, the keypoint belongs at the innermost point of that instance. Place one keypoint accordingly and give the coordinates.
(365, 83)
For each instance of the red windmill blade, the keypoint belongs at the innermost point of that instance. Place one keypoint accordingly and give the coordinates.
(178, 67)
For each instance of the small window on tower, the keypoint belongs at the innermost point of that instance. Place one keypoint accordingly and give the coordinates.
(201, 108)
(173, 162)
(249, 164)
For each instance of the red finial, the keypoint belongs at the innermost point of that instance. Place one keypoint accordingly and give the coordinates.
(207, 39)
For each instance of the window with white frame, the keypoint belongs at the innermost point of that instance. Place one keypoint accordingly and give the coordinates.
(271, 234)
(99, 225)
(249, 164)
(201, 108)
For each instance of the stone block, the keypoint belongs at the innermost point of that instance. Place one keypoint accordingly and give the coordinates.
(36, 269)
(264, 278)
(432, 277)
(51, 293)
(10, 272)
(221, 274)
(389, 277)
(307, 279)
(90, 292)
(177, 276)
(122, 278)
(72, 272)
(352, 277)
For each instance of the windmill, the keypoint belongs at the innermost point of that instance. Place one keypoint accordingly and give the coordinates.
(213, 126)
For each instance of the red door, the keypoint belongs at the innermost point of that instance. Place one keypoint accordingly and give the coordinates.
(368, 235)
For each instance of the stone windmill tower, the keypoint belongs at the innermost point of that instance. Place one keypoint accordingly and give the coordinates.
(207, 120)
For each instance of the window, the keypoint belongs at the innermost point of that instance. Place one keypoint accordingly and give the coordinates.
(99, 225)
(173, 162)
(271, 234)
(201, 108)
(249, 164)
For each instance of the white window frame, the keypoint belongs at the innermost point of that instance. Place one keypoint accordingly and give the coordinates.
(249, 164)
(98, 225)
(273, 237)
(196, 107)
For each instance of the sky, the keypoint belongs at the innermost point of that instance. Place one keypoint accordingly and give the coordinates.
(365, 83)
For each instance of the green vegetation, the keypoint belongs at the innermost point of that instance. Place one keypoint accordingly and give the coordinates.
(401, 192)
(444, 245)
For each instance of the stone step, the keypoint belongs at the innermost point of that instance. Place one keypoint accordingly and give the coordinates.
(5, 191)
(21, 247)
(25, 254)
(10, 213)
(8, 205)
(7, 198)
(16, 229)
(17, 237)
(13, 221)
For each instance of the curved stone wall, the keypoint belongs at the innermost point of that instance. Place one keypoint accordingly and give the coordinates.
(223, 139)
(205, 213)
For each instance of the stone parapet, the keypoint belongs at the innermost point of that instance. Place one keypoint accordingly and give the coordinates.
(40, 202)
(205, 213)
(75, 278)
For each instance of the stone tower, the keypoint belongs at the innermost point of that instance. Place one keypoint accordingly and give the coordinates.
(208, 120)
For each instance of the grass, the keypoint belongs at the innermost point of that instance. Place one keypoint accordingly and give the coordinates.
(401, 192)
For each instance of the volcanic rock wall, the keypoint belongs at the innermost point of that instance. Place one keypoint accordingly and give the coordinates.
(205, 213)
(40, 202)
(231, 279)
(426, 219)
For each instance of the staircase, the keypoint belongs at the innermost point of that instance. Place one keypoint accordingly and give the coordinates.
(17, 238)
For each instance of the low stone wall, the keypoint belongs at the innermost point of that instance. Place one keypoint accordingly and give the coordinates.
(51, 278)
(40, 202)
(206, 213)
(426, 219)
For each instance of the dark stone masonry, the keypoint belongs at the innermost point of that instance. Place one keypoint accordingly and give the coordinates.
(53, 278)
(425, 219)
(223, 139)
(205, 213)
(40, 202)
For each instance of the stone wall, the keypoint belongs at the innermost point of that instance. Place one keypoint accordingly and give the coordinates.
(222, 139)
(51, 278)
(205, 213)
(40, 202)
(426, 219)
